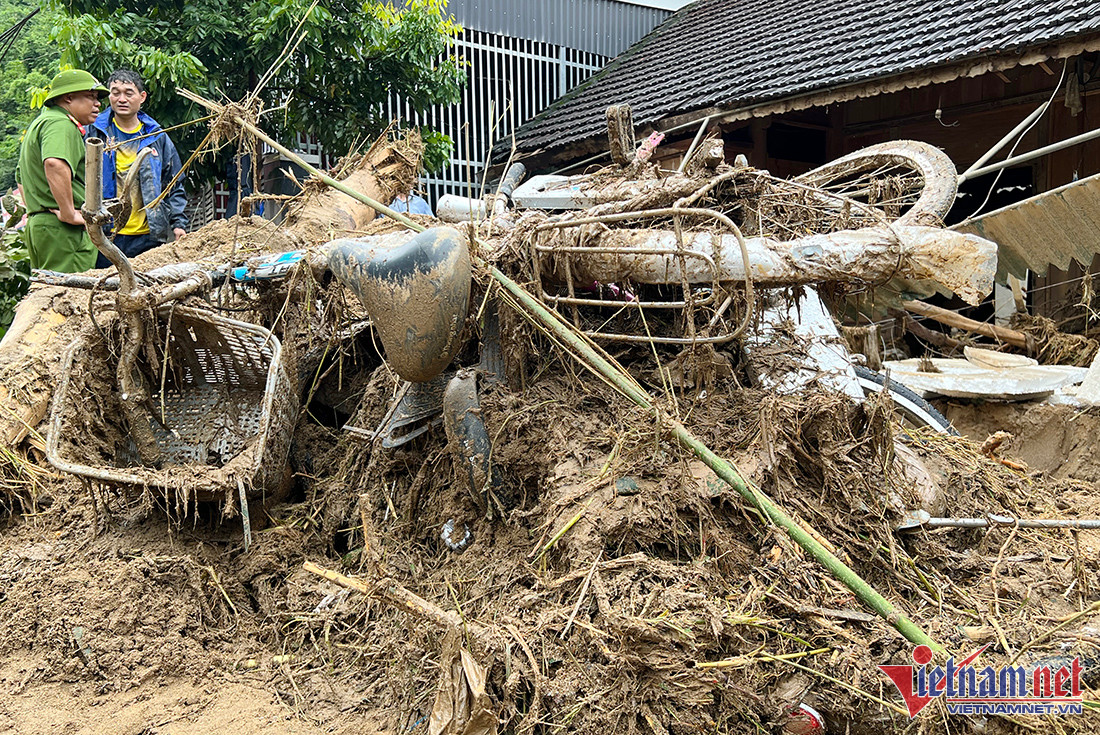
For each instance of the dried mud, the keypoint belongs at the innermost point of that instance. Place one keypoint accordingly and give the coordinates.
(612, 584)
(109, 606)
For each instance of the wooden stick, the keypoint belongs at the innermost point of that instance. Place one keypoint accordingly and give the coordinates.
(620, 134)
(1093, 608)
(844, 684)
(622, 562)
(398, 596)
(755, 656)
(932, 337)
(951, 319)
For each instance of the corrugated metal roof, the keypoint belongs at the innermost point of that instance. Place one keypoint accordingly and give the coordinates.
(738, 53)
(1048, 229)
(605, 27)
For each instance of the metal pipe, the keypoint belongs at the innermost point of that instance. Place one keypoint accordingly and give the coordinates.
(694, 144)
(454, 208)
(1037, 153)
(921, 518)
(995, 520)
(1003, 141)
(508, 184)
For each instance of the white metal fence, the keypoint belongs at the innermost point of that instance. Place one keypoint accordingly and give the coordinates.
(509, 81)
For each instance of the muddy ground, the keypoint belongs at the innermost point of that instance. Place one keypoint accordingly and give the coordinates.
(117, 616)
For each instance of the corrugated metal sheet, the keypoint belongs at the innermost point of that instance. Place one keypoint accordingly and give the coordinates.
(1048, 229)
(604, 27)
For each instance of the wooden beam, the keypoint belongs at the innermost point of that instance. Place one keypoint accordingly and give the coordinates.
(620, 134)
(953, 319)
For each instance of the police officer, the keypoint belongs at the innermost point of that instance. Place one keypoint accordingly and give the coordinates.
(51, 172)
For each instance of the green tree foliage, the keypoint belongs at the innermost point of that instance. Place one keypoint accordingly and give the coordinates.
(15, 262)
(334, 84)
(29, 63)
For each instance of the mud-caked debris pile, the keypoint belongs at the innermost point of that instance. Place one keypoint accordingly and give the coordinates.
(629, 480)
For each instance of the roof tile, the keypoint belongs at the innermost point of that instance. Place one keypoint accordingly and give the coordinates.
(731, 53)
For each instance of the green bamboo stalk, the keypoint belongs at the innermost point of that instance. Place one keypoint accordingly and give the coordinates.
(599, 365)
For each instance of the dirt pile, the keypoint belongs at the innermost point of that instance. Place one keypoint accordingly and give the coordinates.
(623, 588)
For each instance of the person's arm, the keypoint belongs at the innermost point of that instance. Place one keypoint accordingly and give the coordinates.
(60, 178)
(177, 198)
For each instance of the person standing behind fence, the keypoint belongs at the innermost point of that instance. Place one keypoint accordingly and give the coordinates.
(410, 203)
(128, 131)
(51, 173)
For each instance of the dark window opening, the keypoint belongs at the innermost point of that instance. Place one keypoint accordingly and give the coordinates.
(1014, 185)
(795, 143)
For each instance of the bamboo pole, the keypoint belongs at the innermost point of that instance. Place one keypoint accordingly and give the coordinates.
(951, 319)
(614, 375)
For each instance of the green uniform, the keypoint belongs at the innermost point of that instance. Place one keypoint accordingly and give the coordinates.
(53, 244)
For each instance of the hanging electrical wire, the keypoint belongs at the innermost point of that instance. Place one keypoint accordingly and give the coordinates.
(7, 38)
(1025, 131)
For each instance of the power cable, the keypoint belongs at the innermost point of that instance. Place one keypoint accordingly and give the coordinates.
(1025, 131)
(8, 37)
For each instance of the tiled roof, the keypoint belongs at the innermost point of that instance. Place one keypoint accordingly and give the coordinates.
(736, 53)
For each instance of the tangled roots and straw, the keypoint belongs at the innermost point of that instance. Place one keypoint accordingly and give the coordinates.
(1055, 347)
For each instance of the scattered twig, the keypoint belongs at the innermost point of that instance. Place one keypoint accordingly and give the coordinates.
(564, 530)
(838, 682)
(580, 595)
(758, 654)
(1093, 608)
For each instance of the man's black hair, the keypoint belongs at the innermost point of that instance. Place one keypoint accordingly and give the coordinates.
(126, 77)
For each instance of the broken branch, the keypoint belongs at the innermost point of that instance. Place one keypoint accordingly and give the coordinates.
(952, 319)
(392, 593)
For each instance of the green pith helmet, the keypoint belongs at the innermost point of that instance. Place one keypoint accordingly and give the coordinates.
(74, 80)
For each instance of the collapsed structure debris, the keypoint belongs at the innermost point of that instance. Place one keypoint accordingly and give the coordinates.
(660, 549)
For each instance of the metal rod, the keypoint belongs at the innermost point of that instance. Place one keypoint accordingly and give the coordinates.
(995, 520)
(1003, 141)
(694, 144)
(1037, 153)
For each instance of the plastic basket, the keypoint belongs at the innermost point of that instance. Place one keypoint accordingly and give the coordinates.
(224, 420)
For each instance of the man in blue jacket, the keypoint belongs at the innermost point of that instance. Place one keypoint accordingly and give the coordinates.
(127, 131)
